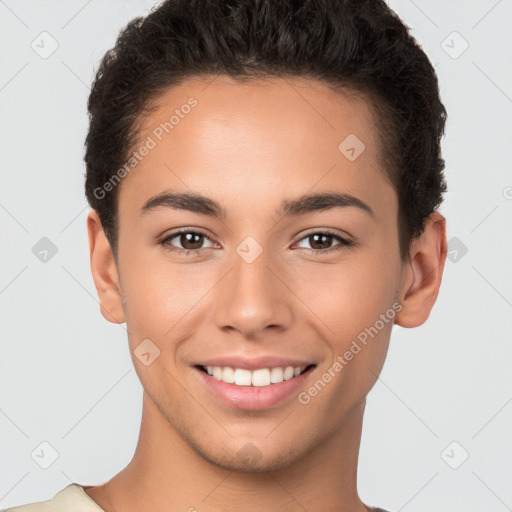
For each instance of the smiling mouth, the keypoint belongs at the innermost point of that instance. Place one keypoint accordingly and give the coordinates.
(256, 378)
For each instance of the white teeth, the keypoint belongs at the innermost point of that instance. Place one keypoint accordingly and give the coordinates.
(260, 377)
(288, 373)
(228, 375)
(242, 377)
(276, 375)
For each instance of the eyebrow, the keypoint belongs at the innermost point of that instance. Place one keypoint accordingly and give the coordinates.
(304, 204)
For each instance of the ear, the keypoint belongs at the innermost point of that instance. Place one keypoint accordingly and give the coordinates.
(421, 276)
(104, 271)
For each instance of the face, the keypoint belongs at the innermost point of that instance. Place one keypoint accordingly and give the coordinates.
(249, 276)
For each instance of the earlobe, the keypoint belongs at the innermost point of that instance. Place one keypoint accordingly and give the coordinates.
(104, 271)
(423, 273)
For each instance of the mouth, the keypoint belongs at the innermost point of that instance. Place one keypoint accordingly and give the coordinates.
(260, 377)
(254, 390)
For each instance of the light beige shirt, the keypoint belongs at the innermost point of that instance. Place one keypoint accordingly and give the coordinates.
(73, 499)
(70, 499)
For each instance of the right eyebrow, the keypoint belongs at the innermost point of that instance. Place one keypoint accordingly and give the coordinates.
(321, 201)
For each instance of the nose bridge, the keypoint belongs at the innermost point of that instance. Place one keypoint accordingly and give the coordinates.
(250, 297)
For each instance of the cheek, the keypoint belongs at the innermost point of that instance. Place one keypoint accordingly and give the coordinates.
(354, 309)
(350, 296)
(159, 295)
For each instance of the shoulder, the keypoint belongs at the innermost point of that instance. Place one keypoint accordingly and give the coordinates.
(72, 497)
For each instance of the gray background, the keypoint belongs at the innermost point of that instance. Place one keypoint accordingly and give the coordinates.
(66, 377)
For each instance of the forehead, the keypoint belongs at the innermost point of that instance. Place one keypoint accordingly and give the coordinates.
(220, 136)
(300, 108)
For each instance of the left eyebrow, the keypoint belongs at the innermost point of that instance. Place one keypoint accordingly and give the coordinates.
(323, 201)
(307, 203)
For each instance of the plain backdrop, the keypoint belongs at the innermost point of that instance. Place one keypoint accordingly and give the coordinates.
(436, 434)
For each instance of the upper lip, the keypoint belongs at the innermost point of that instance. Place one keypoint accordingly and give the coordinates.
(254, 363)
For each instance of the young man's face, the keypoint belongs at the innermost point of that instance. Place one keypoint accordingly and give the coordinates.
(259, 284)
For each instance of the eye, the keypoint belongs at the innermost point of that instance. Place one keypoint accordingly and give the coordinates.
(321, 241)
(190, 241)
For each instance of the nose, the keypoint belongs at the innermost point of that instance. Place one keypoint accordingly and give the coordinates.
(252, 297)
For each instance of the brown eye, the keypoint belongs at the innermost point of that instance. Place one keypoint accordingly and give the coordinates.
(321, 242)
(186, 240)
(191, 240)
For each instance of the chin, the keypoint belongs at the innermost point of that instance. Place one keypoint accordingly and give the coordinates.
(249, 458)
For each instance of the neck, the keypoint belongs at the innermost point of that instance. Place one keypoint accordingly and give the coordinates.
(167, 474)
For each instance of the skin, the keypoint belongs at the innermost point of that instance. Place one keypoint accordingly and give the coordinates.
(249, 147)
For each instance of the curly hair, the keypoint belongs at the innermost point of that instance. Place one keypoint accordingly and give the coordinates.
(358, 45)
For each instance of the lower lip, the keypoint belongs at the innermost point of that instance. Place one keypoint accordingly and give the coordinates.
(253, 398)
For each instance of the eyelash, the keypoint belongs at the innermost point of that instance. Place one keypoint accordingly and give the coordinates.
(344, 243)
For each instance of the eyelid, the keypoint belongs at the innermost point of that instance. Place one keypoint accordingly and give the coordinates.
(345, 240)
(166, 237)
(312, 231)
(327, 231)
(332, 231)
